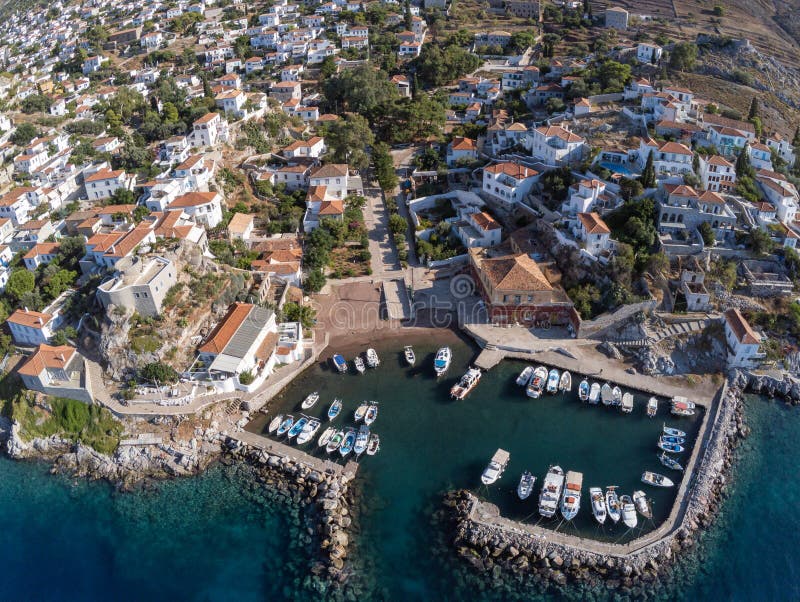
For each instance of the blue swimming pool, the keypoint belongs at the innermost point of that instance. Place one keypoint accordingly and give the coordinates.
(617, 168)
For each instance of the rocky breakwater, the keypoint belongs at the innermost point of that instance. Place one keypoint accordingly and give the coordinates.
(785, 387)
(505, 552)
(329, 499)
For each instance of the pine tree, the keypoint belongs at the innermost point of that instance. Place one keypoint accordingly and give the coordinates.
(696, 164)
(416, 89)
(743, 167)
(409, 20)
(648, 177)
(753, 109)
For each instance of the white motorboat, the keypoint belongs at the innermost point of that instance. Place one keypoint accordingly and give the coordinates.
(642, 504)
(335, 442)
(308, 432)
(372, 359)
(496, 466)
(359, 364)
(672, 432)
(275, 423)
(583, 390)
(340, 363)
(441, 362)
(552, 381)
(551, 491)
(571, 501)
(628, 512)
(670, 462)
(627, 403)
(525, 376)
(525, 486)
(286, 425)
(309, 401)
(612, 503)
(361, 411)
(372, 414)
(374, 445)
(468, 382)
(536, 383)
(565, 384)
(335, 408)
(607, 394)
(408, 353)
(616, 396)
(347, 443)
(598, 504)
(297, 427)
(594, 393)
(655, 479)
(326, 436)
(652, 407)
(362, 440)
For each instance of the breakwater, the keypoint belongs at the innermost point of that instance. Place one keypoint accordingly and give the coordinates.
(495, 545)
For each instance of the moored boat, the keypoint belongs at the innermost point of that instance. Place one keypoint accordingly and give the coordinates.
(275, 423)
(496, 466)
(627, 403)
(673, 448)
(642, 504)
(287, 423)
(348, 442)
(525, 376)
(612, 503)
(652, 407)
(670, 462)
(359, 364)
(335, 408)
(607, 394)
(536, 383)
(408, 353)
(468, 382)
(616, 396)
(552, 381)
(655, 479)
(374, 445)
(372, 414)
(598, 504)
(525, 486)
(340, 363)
(679, 409)
(673, 440)
(571, 501)
(335, 442)
(583, 390)
(565, 383)
(362, 440)
(326, 436)
(297, 427)
(372, 358)
(309, 401)
(442, 360)
(551, 491)
(672, 432)
(594, 393)
(628, 512)
(308, 432)
(360, 412)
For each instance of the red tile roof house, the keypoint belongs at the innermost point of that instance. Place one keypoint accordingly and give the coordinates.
(594, 232)
(744, 344)
(57, 371)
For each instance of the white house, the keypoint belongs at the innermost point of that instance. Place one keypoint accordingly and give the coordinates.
(152, 40)
(334, 177)
(508, 182)
(648, 53)
(102, 183)
(760, 155)
(478, 229)
(668, 157)
(314, 148)
(744, 343)
(209, 129)
(584, 196)
(204, 207)
(717, 173)
(554, 145)
(32, 327)
(593, 231)
(461, 149)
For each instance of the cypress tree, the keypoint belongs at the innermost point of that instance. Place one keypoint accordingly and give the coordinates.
(743, 167)
(753, 109)
(648, 178)
(796, 139)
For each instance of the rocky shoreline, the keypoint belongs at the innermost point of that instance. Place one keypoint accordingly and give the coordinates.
(786, 388)
(504, 554)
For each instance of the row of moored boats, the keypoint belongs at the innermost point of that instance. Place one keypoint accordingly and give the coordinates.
(369, 360)
(539, 380)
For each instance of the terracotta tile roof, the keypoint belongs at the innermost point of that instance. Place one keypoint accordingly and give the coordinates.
(104, 174)
(331, 170)
(193, 199)
(681, 190)
(129, 242)
(717, 160)
(240, 222)
(485, 221)
(31, 319)
(550, 131)
(515, 170)
(331, 208)
(316, 194)
(206, 118)
(227, 327)
(675, 148)
(515, 273)
(741, 328)
(712, 197)
(47, 357)
(593, 223)
(764, 207)
(101, 242)
(112, 209)
(283, 255)
(14, 195)
(189, 163)
(42, 248)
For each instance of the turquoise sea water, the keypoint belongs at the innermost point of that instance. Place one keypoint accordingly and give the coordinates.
(217, 537)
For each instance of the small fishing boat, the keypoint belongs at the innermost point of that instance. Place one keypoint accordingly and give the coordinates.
(627, 403)
(372, 359)
(571, 502)
(594, 393)
(679, 409)
(297, 427)
(551, 491)
(616, 396)
(598, 504)
(442, 360)
(642, 504)
(309, 401)
(326, 436)
(684, 402)
(335, 442)
(537, 382)
(335, 408)
(275, 423)
(565, 384)
(359, 364)
(655, 479)
(628, 512)
(612, 503)
(362, 440)
(348, 442)
(652, 407)
(340, 363)
(285, 425)
(552, 381)
(468, 382)
(308, 432)
(411, 359)
(673, 448)
(583, 390)
(670, 462)
(372, 414)
(672, 432)
(673, 440)
(361, 411)
(607, 394)
(496, 466)
(525, 376)
(525, 486)
(374, 445)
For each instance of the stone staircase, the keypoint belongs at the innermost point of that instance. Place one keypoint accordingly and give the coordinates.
(658, 330)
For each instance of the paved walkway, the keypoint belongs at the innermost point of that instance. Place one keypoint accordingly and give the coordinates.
(376, 219)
